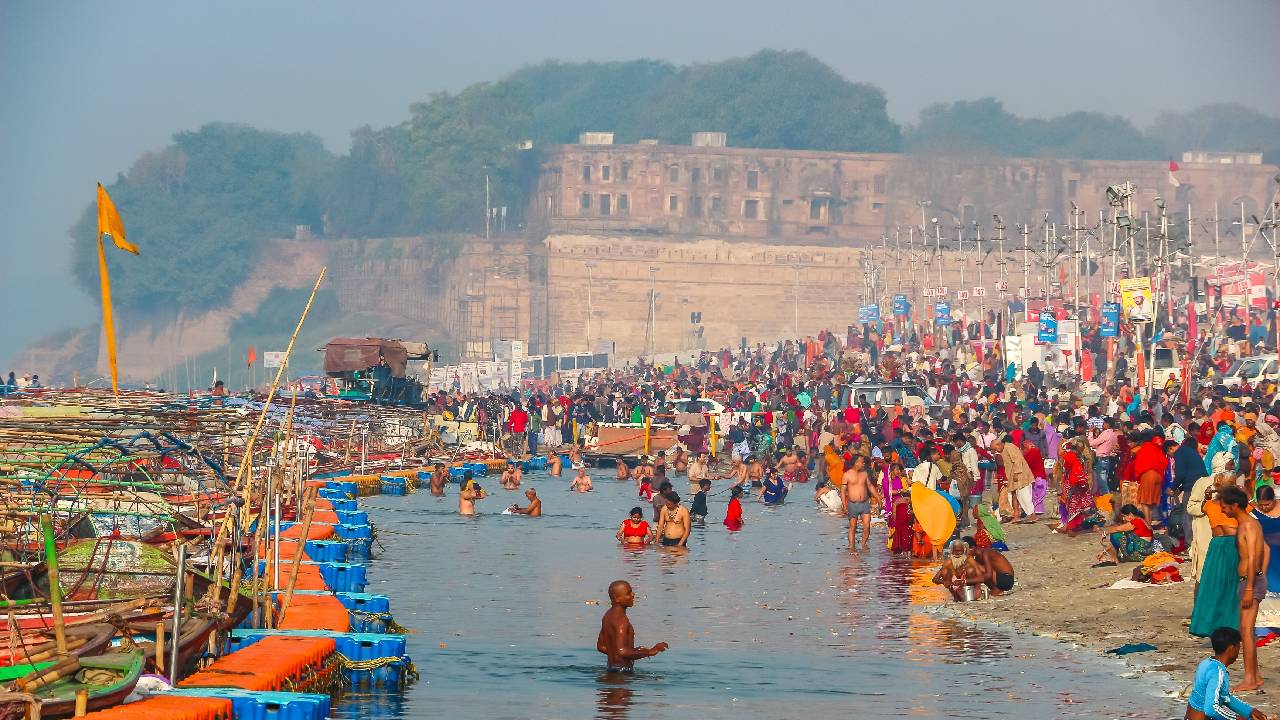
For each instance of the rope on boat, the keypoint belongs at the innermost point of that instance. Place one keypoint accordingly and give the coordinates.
(410, 670)
(392, 626)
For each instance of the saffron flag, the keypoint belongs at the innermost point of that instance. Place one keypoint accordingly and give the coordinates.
(1173, 179)
(253, 355)
(109, 223)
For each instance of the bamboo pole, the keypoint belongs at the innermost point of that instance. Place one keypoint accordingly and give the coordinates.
(160, 655)
(245, 461)
(55, 590)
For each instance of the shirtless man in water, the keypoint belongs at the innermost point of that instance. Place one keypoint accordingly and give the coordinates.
(471, 492)
(438, 478)
(673, 522)
(554, 463)
(856, 494)
(533, 509)
(681, 461)
(617, 640)
(581, 482)
(511, 477)
(1252, 570)
(620, 471)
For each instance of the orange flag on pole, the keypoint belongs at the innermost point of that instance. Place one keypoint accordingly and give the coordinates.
(253, 355)
(110, 224)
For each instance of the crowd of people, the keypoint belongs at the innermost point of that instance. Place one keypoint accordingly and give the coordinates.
(1157, 475)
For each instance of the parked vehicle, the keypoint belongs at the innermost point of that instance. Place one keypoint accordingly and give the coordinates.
(1254, 369)
(887, 393)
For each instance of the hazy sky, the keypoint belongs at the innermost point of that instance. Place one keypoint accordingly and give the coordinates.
(87, 86)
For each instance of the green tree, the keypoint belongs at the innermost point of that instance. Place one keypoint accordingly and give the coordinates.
(1223, 127)
(984, 126)
(198, 209)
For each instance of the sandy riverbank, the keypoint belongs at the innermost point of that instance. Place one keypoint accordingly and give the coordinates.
(1059, 596)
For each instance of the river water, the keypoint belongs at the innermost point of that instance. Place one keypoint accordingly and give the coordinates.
(775, 621)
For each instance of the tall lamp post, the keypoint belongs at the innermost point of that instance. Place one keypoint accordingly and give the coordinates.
(590, 309)
(653, 306)
(795, 298)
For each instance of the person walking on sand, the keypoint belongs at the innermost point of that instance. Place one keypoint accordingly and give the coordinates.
(617, 639)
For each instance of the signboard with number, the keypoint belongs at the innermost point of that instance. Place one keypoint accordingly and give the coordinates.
(1002, 285)
(928, 292)
(941, 291)
(1024, 292)
(979, 292)
(962, 294)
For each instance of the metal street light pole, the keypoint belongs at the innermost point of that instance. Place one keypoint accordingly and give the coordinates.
(653, 306)
(795, 297)
(590, 309)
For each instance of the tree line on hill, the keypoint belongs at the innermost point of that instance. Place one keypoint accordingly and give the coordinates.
(200, 207)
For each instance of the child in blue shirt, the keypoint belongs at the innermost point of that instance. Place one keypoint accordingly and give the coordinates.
(1211, 697)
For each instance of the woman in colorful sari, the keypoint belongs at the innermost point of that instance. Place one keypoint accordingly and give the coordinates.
(901, 522)
(1223, 441)
(1268, 514)
(990, 533)
(1127, 541)
(1077, 508)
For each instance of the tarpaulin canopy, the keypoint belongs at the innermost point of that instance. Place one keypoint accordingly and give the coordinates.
(355, 354)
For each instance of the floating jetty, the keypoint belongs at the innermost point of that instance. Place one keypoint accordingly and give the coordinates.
(201, 558)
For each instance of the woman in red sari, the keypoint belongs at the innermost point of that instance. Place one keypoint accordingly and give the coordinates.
(733, 515)
(901, 522)
(1077, 510)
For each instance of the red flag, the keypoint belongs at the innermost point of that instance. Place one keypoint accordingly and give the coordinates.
(1173, 166)
(253, 355)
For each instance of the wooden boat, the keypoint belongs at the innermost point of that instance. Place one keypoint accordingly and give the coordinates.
(194, 641)
(82, 640)
(109, 678)
(628, 440)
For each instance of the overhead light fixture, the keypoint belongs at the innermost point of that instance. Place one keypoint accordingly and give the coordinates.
(1124, 221)
(1159, 202)
(1113, 197)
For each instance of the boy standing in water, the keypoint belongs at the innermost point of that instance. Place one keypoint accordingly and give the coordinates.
(617, 637)
(1211, 697)
(699, 508)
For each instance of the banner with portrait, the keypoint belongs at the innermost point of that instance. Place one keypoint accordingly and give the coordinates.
(1135, 299)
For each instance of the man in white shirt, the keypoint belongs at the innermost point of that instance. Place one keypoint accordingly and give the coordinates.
(927, 472)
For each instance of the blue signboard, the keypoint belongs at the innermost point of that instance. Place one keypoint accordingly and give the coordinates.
(1110, 326)
(942, 313)
(901, 306)
(868, 314)
(1047, 332)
